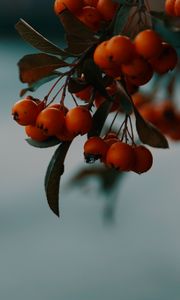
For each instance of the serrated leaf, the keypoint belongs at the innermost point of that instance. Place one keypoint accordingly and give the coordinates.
(52, 179)
(79, 37)
(75, 85)
(99, 118)
(34, 67)
(38, 41)
(148, 133)
(50, 142)
(32, 87)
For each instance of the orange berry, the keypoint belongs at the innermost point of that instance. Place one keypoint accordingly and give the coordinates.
(169, 7)
(73, 5)
(177, 8)
(107, 9)
(150, 113)
(166, 61)
(78, 120)
(90, 16)
(85, 94)
(139, 99)
(120, 49)
(148, 43)
(50, 121)
(143, 159)
(90, 3)
(101, 56)
(59, 106)
(35, 133)
(95, 148)
(121, 156)
(25, 112)
(65, 135)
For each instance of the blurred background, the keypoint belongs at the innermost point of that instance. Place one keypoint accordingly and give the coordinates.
(122, 245)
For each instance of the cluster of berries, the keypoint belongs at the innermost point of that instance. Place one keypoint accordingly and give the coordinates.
(90, 12)
(117, 154)
(137, 60)
(164, 114)
(42, 122)
(172, 8)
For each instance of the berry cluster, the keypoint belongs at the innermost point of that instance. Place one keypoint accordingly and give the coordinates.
(90, 12)
(135, 61)
(42, 122)
(117, 154)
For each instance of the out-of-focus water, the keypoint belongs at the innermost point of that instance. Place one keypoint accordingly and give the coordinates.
(78, 257)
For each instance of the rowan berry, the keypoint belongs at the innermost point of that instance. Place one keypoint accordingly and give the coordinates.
(143, 159)
(25, 111)
(51, 121)
(90, 16)
(78, 120)
(35, 133)
(73, 6)
(107, 9)
(148, 43)
(95, 148)
(120, 156)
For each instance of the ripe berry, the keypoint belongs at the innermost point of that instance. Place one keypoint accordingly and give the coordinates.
(143, 159)
(121, 156)
(78, 120)
(90, 16)
(95, 148)
(73, 6)
(148, 43)
(107, 9)
(35, 133)
(50, 121)
(25, 111)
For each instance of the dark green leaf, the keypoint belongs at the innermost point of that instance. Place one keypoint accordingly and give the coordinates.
(149, 134)
(32, 87)
(50, 142)
(121, 19)
(38, 41)
(33, 67)
(75, 85)
(53, 175)
(99, 118)
(79, 37)
(93, 76)
(126, 102)
(167, 34)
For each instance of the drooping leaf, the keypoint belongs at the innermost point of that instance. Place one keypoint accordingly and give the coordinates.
(126, 102)
(121, 19)
(99, 118)
(34, 67)
(32, 87)
(38, 41)
(79, 37)
(52, 179)
(169, 36)
(173, 23)
(50, 142)
(148, 133)
(93, 76)
(75, 85)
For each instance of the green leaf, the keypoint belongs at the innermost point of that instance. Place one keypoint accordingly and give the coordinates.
(79, 37)
(169, 36)
(38, 41)
(148, 133)
(53, 175)
(32, 87)
(50, 142)
(125, 99)
(99, 118)
(121, 19)
(33, 67)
